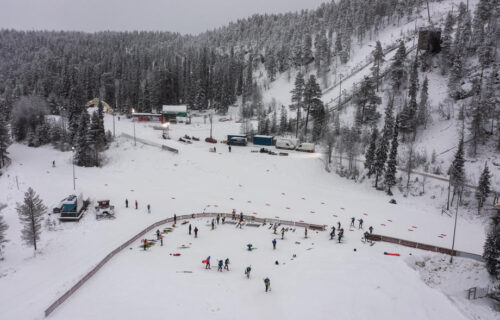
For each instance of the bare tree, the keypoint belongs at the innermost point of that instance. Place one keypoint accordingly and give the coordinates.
(31, 213)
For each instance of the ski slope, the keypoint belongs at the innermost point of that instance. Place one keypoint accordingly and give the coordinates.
(195, 180)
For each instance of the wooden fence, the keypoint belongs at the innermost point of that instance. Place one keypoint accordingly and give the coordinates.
(423, 246)
(108, 257)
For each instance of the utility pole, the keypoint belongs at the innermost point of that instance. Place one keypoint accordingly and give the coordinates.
(454, 231)
(74, 179)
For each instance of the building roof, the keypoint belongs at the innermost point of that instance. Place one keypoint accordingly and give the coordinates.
(176, 108)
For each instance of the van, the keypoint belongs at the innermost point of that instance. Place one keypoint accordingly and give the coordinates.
(289, 144)
(307, 147)
(237, 141)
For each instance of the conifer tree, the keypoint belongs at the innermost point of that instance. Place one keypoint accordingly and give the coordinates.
(370, 152)
(491, 253)
(423, 111)
(4, 141)
(378, 60)
(390, 172)
(367, 101)
(483, 188)
(3, 229)
(283, 120)
(31, 213)
(446, 44)
(456, 170)
(312, 98)
(398, 72)
(82, 147)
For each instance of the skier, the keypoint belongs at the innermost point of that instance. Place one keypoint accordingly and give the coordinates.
(226, 264)
(360, 223)
(219, 267)
(332, 234)
(338, 225)
(229, 148)
(196, 232)
(267, 282)
(241, 222)
(341, 234)
(145, 244)
(213, 224)
(282, 233)
(53, 163)
(157, 234)
(275, 227)
(247, 271)
(249, 246)
(274, 244)
(149, 208)
(207, 265)
(241, 216)
(190, 229)
(305, 232)
(366, 234)
(223, 219)
(371, 229)
(175, 218)
(161, 240)
(218, 218)
(136, 204)
(352, 222)
(233, 214)
(126, 203)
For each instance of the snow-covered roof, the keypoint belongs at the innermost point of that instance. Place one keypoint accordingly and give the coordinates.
(176, 108)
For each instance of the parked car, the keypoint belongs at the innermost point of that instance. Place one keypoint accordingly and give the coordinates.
(237, 141)
(307, 147)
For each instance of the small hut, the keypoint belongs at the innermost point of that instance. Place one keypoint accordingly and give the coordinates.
(429, 39)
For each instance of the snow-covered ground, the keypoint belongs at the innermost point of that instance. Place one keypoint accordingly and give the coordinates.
(328, 279)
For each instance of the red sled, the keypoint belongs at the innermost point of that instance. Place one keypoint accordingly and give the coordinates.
(204, 261)
(391, 254)
(176, 254)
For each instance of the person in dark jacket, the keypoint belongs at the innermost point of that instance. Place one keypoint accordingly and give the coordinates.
(126, 203)
(207, 264)
(352, 222)
(226, 264)
(247, 271)
(274, 244)
(360, 223)
(175, 218)
(190, 229)
(196, 232)
(157, 234)
(267, 283)
(219, 266)
(371, 229)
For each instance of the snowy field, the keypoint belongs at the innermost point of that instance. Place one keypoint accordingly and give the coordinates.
(328, 279)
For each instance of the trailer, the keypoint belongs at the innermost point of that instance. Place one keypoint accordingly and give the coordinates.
(72, 208)
(236, 140)
(104, 210)
(263, 140)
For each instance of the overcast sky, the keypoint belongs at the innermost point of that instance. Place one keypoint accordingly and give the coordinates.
(185, 16)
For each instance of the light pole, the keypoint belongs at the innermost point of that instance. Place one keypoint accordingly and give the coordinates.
(113, 110)
(133, 121)
(454, 231)
(73, 151)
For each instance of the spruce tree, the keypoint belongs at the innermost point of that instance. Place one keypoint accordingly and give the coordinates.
(298, 90)
(367, 101)
(319, 115)
(491, 252)
(4, 141)
(423, 111)
(31, 213)
(378, 60)
(283, 120)
(3, 229)
(483, 188)
(398, 72)
(446, 44)
(456, 170)
(370, 152)
(82, 147)
(390, 172)
(312, 98)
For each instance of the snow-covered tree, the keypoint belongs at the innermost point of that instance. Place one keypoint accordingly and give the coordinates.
(370, 152)
(483, 188)
(312, 98)
(423, 105)
(367, 101)
(3, 229)
(83, 156)
(390, 171)
(31, 213)
(378, 60)
(4, 141)
(456, 170)
(491, 252)
(398, 70)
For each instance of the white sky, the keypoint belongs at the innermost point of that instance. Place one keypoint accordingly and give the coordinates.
(185, 16)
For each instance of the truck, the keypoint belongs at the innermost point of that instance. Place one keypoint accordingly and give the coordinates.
(72, 208)
(263, 140)
(306, 147)
(287, 143)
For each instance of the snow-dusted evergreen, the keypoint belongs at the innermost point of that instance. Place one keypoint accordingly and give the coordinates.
(31, 213)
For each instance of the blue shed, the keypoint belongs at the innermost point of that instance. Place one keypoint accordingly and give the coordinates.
(263, 140)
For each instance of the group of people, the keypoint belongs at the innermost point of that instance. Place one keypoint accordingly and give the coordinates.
(137, 205)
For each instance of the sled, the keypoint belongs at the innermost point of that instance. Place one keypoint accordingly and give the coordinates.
(184, 247)
(391, 254)
(175, 254)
